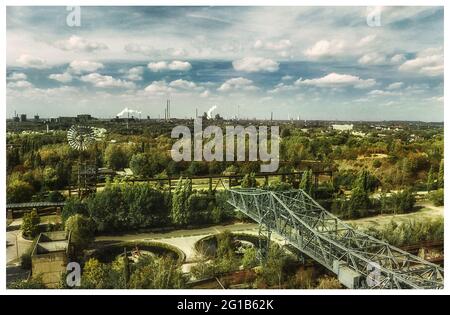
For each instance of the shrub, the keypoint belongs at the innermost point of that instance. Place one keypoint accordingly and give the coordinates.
(437, 197)
(30, 224)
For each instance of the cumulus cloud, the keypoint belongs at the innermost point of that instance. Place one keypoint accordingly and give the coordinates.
(205, 94)
(183, 84)
(255, 64)
(373, 58)
(61, 77)
(79, 44)
(80, 66)
(398, 58)
(395, 86)
(336, 80)
(367, 40)
(325, 48)
(237, 84)
(16, 76)
(22, 84)
(175, 65)
(428, 62)
(106, 81)
(31, 62)
(158, 88)
(282, 47)
(382, 93)
(135, 73)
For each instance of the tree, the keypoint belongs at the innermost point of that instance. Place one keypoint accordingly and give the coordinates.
(440, 179)
(73, 206)
(430, 179)
(94, 275)
(249, 181)
(180, 207)
(139, 164)
(366, 181)
(306, 183)
(30, 224)
(116, 156)
(157, 273)
(359, 203)
(81, 231)
(18, 191)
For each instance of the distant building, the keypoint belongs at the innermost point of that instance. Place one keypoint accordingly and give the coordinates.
(23, 117)
(66, 119)
(342, 127)
(84, 117)
(36, 117)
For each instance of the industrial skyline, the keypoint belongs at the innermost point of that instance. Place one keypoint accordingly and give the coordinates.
(321, 63)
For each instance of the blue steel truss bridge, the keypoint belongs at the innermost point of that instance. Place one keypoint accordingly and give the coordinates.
(359, 260)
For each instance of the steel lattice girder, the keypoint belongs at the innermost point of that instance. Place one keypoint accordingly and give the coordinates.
(306, 225)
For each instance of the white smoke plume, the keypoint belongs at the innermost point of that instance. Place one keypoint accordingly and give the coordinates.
(127, 110)
(209, 113)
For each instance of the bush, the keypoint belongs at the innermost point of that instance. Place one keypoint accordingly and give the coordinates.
(30, 224)
(73, 206)
(33, 283)
(437, 197)
(55, 196)
(81, 231)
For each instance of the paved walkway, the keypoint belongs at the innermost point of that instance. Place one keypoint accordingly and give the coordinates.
(184, 239)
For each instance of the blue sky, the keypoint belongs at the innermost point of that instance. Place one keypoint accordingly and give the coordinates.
(312, 62)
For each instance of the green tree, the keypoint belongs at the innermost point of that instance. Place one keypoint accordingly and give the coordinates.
(430, 179)
(249, 181)
(180, 207)
(157, 273)
(440, 179)
(73, 206)
(81, 231)
(18, 191)
(95, 275)
(30, 224)
(116, 156)
(306, 184)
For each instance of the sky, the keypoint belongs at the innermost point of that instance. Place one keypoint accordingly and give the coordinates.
(330, 63)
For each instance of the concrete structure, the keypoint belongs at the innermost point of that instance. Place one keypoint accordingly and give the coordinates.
(49, 257)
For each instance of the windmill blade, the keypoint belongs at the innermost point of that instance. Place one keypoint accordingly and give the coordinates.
(80, 137)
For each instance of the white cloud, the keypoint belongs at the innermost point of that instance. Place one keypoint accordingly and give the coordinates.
(336, 80)
(16, 76)
(22, 84)
(398, 58)
(282, 47)
(287, 78)
(237, 84)
(367, 40)
(183, 84)
(61, 77)
(106, 81)
(79, 44)
(205, 94)
(175, 65)
(255, 64)
(158, 88)
(373, 58)
(382, 93)
(428, 62)
(31, 62)
(395, 86)
(325, 48)
(135, 74)
(79, 66)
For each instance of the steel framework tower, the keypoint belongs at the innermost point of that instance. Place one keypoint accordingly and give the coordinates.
(359, 260)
